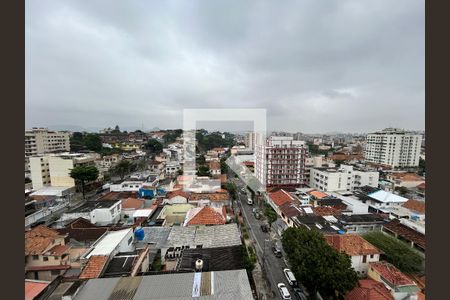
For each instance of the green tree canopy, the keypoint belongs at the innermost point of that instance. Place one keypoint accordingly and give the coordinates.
(123, 168)
(153, 146)
(270, 214)
(316, 265)
(396, 252)
(203, 171)
(93, 142)
(83, 174)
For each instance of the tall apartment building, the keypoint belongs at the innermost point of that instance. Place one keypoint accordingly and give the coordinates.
(280, 161)
(250, 140)
(393, 147)
(344, 178)
(40, 141)
(54, 169)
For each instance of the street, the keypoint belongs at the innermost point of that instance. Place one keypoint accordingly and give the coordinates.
(272, 266)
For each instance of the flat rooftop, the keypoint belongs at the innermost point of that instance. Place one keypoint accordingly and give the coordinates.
(89, 206)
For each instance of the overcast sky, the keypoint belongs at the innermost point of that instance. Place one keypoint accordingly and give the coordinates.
(316, 66)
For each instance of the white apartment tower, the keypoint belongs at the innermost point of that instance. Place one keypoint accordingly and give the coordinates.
(280, 161)
(393, 147)
(344, 178)
(250, 140)
(39, 141)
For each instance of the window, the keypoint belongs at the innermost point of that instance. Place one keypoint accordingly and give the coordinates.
(45, 258)
(364, 258)
(35, 257)
(371, 255)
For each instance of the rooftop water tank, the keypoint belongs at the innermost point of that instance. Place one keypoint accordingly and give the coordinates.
(198, 264)
(139, 233)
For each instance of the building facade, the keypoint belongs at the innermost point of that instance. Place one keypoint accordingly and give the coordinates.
(54, 169)
(280, 161)
(393, 147)
(344, 178)
(40, 141)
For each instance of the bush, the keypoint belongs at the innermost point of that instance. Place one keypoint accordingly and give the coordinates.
(396, 252)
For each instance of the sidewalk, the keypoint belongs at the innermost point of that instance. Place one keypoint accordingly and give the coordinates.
(260, 282)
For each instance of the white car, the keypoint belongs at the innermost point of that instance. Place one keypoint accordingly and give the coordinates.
(284, 292)
(290, 277)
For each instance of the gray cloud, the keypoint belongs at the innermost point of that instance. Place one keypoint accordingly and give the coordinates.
(315, 65)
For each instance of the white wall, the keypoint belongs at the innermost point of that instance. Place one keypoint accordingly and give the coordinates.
(359, 266)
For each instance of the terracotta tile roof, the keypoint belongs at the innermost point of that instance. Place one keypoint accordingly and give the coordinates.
(289, 210)
(406, 176)
(318, 194)
(405, 232)
(351, 244)
(249, 163)
(280, 197)
(421, 186)
(210, 196)
(38, 239)
(420, 296)
(214, 165)
(391, 274)
(326, 211)
(132, 203)
(48, 268)
(415, 205)
(94, 267)
(209, 216)
(369, 289)
(118, 195)
(33, 288)
(58, 250)
(181, 193)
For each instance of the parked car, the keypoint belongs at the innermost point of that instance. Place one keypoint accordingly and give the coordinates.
(290, 277)
(276, 251)
(284, 292)
(299, 294)
(264, 228)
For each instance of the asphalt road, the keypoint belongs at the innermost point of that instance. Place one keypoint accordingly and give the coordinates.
(272, 266)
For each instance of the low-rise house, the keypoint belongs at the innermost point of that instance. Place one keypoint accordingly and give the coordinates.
(369, 289)
(175, 286)
(407, 231)
(129, 207)
(217, 199)
(34, 287)
(206, 215)
(381, 201)
(174, 214)
(103, 212)
(361, 223)
(400, 285)
(213, 259)
(177, 197)
(46, 253)
(214, 168)
(181, 238)
(83, 231)
(324, 224)
(360, 251)
(126, 186)
(172, 168)
(403, 179)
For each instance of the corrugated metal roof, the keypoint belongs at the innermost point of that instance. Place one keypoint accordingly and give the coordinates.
(177, 286)
(109, 242)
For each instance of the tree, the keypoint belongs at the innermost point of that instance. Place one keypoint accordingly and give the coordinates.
(122, 168)
(83, 174)
(396, 252)
(76, 142)
(270, 214)
(231, 188)
(153, 146)
(223, 165)
(203, 171)
(316, 265)
(402, 190)
(93, 142)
